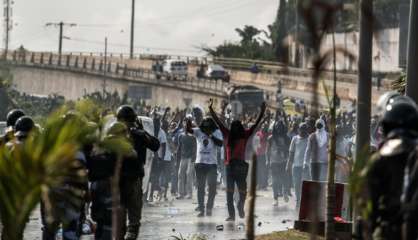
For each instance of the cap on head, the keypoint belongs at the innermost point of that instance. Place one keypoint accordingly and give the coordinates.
(126, 113)
(13, 116)
(23, 126)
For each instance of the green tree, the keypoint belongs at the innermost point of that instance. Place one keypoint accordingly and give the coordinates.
(248, 34)
(279, 33)
(251, 45)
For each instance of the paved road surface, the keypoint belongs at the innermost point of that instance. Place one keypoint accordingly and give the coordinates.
(166, 219)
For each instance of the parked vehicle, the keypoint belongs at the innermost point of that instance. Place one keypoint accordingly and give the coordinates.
(216, 72)
(171, 69)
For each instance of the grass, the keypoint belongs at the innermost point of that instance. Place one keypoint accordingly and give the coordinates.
(285, 235)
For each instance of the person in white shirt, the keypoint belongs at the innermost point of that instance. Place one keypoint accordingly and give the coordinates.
(161, 162)
(208, 138)
(165, 164)
(296, 157)
(317, 152)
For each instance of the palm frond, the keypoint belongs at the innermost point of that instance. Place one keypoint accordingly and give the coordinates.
(43, 167)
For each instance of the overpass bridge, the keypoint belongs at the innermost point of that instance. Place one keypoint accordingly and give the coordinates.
(75, 74)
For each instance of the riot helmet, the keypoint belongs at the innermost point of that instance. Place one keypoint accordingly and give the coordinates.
(401, 113)
(384, 100)
(126, 113)
(13, 116)
(23, 126)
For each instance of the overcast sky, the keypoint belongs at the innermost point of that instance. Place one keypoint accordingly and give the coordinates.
(171, 26)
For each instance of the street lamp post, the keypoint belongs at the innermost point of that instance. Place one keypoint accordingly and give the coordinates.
(131, 52)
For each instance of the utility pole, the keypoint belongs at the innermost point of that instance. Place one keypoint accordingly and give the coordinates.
(61, 26)
(7, 26)
(105, 68)
(131, 52)
(105, 55)
(364, 85)
(412, 53)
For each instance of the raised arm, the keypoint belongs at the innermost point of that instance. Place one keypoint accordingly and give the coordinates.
(259, 118)
(165, 114)
(215, 117)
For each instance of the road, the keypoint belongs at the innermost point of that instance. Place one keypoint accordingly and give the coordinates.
(163, 220)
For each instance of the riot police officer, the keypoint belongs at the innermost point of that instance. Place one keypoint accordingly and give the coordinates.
(66, 213)
(142, 141)
(23, 127)
(385, 177)
(409, 198)
(11, 119)
(102, 165)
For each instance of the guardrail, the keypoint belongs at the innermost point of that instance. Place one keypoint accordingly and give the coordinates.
(265, 67)
(88, 64)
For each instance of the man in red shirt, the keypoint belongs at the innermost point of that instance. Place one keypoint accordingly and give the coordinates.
(235, 142)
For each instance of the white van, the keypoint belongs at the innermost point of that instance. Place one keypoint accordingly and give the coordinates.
(175, 69)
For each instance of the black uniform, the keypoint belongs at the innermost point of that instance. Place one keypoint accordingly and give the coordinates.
(101, 169)
(141, 141)
(385, 179)
(410, 198)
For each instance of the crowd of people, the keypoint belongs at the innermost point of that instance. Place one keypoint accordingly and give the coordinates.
(203, 152)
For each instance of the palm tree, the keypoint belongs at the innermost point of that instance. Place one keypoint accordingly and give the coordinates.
(247, 34)
(31, 171)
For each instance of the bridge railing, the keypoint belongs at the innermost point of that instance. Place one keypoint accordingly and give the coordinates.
(91, 64)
